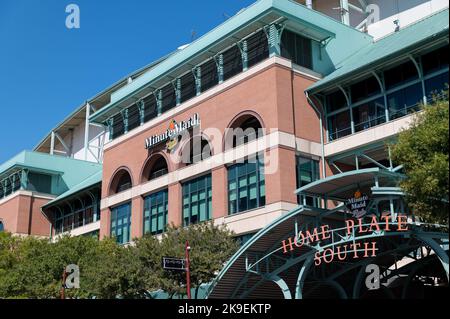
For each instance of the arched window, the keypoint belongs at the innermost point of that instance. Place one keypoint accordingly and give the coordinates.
(124, 183)
(2, 228)
(121, 182)
(155, 168)
(196, 150)
(243, 130)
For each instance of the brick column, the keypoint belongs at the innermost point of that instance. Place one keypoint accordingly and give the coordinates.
(280, 175)
(105, 223)
(137, 217)
(219, 178)
(175, 207)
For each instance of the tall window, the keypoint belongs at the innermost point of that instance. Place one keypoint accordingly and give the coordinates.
(296, 48)
(209, 75)
(150, 108)
(307, 172)
(197, 200)
(400, 75)
(121, 223)
(118, 127)
(168, 97)
(2, 228)
(155, 212)
(404, 101)
(232, 62)
(369, 114)
(257, 48)
(246, 186)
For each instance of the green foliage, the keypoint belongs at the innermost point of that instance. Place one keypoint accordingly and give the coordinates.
(423, 150)
(33, 268)
(211, 247)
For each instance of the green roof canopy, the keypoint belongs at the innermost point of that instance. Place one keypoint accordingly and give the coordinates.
(71, 171)
(311, 23)
(86, 184)
(374, 54)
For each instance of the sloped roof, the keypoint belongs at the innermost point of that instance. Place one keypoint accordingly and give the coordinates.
(84, 185)
(385, 48)
(313, 24)
(72, 171)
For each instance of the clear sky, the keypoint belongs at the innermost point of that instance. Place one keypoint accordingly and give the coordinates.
(48, 70)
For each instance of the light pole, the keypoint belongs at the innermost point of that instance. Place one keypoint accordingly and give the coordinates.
(188, 271)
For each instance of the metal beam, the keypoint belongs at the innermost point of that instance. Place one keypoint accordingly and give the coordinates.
(86, 131)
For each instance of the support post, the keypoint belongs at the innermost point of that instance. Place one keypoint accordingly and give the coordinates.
(141, 106)
(274, 37)
(243, 46)
(345, 12)
(110, 123)
(159, 102)
(125, 121)
(422, 82)
(178, 91)
(219, 64)
(188, 271)
(349, 105)
(52, 143)
(86, 131)
(198, 80)
(24, 180)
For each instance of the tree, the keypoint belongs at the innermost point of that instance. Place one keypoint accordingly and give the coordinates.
(423, 150)
(211, 247)
(32, 268)
(113, 271)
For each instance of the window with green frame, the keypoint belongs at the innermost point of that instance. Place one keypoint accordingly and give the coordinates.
(156, 212)
(246, 186)
(121, 223)
(197, 200)
(307, 172)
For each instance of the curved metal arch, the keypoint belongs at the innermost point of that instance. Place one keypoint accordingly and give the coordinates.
(283, 286)
(252, 241)
(92, 196)
(311, 253)
(438, 250)
(302, 277)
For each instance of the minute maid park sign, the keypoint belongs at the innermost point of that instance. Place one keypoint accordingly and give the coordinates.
(170, 136)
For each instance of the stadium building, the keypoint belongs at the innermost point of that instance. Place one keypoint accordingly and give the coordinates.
(283, 96)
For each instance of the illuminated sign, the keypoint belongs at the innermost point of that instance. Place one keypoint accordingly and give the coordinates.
(171, 135)
(357, 205)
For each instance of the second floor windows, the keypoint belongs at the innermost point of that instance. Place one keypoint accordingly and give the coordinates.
(156, 212)
(197, 200)
(246, 185)
(121, 223)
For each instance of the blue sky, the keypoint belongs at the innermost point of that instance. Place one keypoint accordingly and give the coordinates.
(47, 70)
